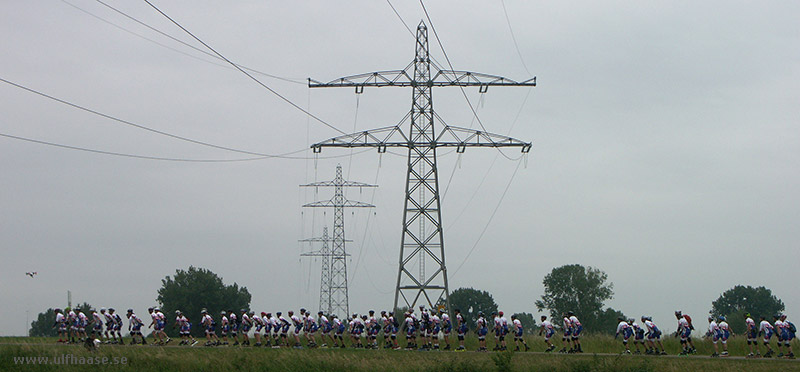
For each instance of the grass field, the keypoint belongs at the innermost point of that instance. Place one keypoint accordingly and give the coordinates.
(13, 350)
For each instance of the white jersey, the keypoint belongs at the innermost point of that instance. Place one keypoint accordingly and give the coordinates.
(207, 319)
(649, 325)
(723, 325)
(517, 324)
(134, 320)
(409, 322)
(60, 318)
(497, 323)
(96, 317)
(713, 327)
(751, 324)
(622, 326)
(296, 321)
(765, 327)
(445, 319)
(574, 321)
(683, 324)
(109, 318)
(246, 319)
(546, 325)
(503, 322)
(779, 325)
(323, 320)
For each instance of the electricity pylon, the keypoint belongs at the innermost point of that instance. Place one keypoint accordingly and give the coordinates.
(325, 278)
(338, 298)
(422, 238)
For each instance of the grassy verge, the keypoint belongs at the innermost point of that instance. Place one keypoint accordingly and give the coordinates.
(138, 358)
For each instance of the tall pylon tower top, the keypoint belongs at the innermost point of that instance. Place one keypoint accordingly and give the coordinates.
(422, 242)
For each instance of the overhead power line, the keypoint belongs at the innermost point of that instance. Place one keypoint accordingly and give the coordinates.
(243, 71)
(129, 155)
(401, 19)
(185, 160)
(491, 217)
(514, 38)
(126, 122)
(290, 80)
(463, 92)
(112, 24)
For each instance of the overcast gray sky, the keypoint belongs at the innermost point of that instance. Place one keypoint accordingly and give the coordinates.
(666, 149)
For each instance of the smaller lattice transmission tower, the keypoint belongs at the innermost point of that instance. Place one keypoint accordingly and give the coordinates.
(325, 275)
(336, 288)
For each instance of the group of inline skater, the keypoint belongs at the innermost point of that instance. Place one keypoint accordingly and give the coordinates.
(719, 331)
(423, 330)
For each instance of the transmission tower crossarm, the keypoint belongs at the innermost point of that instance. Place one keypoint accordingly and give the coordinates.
(320, 253)
(381, 138)
(346, 203)
(389, 78)
(468, 78)
(344, 184)
(317, 240)
(461, 138)
(402, 78)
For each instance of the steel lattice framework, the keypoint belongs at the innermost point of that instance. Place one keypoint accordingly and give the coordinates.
(325, 276)
(336, 287)
(422, 241)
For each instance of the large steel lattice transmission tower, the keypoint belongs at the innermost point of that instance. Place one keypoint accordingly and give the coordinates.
(333, 293)
(422, 241)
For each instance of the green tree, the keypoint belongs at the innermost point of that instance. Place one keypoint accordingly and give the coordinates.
(43, 325)
(471, 301)
(607, 321)
(195, 289)
(579, 289)
(739, 300)
(528, 322)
